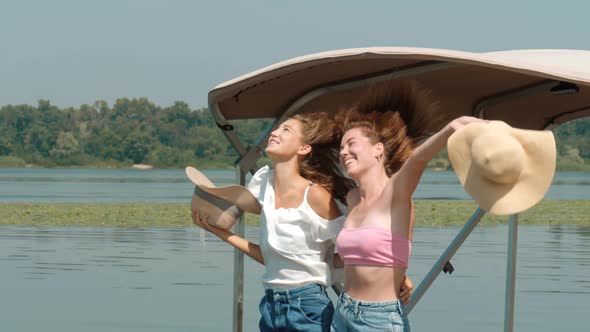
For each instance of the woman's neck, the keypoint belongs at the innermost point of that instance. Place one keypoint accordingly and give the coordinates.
(286, 174)
(372, 182)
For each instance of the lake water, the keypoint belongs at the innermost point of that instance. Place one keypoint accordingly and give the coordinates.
(180, 279)
(117, 185)
(66, 279)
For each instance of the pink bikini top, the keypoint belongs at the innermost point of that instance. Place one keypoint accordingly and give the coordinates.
(375, 246)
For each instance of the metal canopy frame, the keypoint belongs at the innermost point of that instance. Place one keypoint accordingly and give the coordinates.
(249, 156)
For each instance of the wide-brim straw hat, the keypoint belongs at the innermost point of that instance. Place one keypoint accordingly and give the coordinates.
(221, 205)
(506, 170)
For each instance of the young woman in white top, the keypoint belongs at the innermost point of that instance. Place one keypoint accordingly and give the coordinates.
(300, 220)
(380, 151)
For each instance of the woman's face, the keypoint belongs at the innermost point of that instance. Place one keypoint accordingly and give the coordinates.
(286, 141)
(357, 152)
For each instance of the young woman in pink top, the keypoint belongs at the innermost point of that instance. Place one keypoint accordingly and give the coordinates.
(380, 151)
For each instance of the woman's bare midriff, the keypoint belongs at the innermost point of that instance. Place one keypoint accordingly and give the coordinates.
(373, 283)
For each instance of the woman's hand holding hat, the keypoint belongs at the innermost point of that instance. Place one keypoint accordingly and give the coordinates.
(222, 206)
(506, 170)
(202, 221)
(461, 122)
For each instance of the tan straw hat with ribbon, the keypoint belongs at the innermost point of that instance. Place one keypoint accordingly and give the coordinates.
(506, 170)
(222, 205)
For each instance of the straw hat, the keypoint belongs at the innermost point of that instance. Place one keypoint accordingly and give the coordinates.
(222, 205)
(506, 170)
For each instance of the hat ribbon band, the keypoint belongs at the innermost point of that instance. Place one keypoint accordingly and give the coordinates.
(219, 202)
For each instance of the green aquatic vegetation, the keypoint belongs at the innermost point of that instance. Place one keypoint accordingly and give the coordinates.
(447, 213)
(428, 213)
(8, 161)
(96, 215)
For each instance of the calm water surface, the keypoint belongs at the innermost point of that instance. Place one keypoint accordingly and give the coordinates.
(119, 185)
(66, 279)
(180, 279)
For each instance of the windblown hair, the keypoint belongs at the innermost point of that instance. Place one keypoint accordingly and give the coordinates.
(399, 115)
(321, 165)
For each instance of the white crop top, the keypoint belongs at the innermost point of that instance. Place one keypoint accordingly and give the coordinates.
(296, 243)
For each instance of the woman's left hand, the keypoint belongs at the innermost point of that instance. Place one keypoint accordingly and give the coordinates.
(407, 289)
(202, 221)
(460, 122)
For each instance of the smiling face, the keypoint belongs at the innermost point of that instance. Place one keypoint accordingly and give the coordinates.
(287, 141)
(358, 153)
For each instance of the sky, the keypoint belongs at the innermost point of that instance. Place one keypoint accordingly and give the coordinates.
(74, 52)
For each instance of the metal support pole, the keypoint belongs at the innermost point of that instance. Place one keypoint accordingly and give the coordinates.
(533, 89)
(226, 129)
(566, 116)
(446, 256)
(239, 229)
(510, 274)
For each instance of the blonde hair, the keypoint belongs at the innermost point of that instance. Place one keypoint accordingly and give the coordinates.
(399, 115)
(321, 165)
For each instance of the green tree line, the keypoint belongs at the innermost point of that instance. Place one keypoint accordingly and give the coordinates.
(131, 131)
(134, 131)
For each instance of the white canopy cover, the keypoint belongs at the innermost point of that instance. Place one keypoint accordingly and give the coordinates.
(530, 89)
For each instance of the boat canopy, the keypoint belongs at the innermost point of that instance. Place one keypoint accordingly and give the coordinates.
(465, 83)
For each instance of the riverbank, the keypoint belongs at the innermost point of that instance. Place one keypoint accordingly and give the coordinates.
(428, 213)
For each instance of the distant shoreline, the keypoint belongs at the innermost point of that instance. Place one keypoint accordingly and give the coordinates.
(428, 213)
(147, 167)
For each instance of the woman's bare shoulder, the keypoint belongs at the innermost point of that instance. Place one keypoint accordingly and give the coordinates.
(322, 202)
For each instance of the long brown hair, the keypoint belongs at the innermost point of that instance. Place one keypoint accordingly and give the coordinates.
(321, 165)
(399, 115)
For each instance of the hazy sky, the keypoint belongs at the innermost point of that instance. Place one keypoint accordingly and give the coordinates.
(75, 52)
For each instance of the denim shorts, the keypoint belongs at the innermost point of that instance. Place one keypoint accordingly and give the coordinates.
(355, 315)
(305, 308)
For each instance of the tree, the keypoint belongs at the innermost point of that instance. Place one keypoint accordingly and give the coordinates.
(137, 145)
(65, 145)
(6, 146)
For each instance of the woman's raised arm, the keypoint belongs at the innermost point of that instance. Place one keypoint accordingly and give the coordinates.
(407, 178)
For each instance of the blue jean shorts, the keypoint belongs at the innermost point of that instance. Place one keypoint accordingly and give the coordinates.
(305, 308)
(355, 315)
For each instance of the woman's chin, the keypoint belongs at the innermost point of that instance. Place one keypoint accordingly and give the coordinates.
(270, 151)
(350, 171)
(274, 155)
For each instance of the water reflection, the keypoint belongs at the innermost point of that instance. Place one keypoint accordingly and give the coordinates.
(181, 279)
